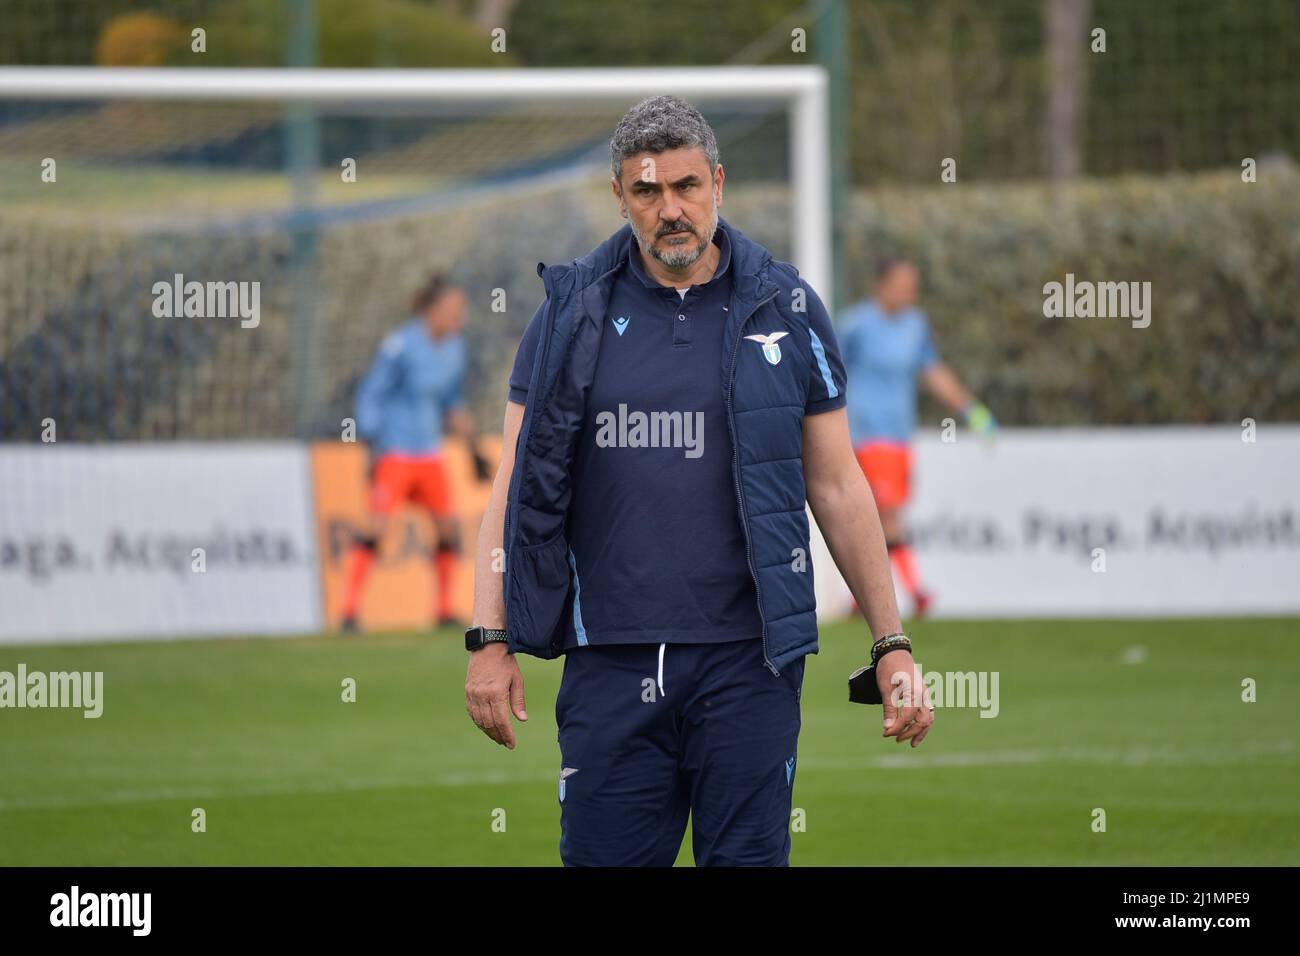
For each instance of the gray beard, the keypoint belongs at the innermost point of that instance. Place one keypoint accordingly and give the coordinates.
(678, 258)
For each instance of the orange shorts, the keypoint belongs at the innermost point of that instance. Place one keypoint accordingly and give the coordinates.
(399, 478)
(888, 467)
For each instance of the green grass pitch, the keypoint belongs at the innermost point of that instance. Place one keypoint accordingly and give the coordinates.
(1143, 719)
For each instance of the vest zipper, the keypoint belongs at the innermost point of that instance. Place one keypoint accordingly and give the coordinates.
(735, 473)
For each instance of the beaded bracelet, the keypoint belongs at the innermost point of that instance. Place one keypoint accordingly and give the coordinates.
(891, 642)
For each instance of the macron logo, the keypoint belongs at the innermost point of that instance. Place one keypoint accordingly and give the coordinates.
(102, 909)
(620, 324)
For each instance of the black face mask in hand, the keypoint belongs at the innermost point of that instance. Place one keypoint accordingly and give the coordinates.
(863, 688)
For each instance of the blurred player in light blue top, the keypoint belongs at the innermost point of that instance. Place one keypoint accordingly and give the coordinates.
(411, 392)
(887, 346)
(413, 384)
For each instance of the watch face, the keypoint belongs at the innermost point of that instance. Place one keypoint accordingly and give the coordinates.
(477, 637)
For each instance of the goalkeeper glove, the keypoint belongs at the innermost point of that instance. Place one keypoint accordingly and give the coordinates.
(980, 420)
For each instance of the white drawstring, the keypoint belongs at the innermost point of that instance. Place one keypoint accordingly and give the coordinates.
(660, 680)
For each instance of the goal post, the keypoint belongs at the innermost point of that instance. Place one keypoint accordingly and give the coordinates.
(164, 186)
(803, 88)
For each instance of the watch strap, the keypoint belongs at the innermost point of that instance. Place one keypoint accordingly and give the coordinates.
(476, 637)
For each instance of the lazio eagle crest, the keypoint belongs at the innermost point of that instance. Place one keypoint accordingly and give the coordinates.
(771, 351)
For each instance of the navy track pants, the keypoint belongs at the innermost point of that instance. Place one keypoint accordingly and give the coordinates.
(651, 734)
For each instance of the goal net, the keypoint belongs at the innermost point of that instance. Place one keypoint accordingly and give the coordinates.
(307, 206)
(336, 192)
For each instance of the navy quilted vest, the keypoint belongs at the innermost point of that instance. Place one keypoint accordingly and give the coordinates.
(765, 409)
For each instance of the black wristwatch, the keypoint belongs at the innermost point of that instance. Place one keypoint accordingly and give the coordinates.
(476, 637)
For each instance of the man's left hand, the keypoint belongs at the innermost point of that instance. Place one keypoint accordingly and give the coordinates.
(908, 714)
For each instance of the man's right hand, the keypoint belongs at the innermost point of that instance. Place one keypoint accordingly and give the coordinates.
(494, 688)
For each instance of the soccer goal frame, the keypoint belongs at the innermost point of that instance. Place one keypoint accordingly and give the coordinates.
(802, 89)
(803, 92)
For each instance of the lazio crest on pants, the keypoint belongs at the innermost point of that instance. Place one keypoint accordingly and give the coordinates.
(771, 351)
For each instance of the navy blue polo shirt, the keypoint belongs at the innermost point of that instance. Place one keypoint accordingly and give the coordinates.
(656, 545)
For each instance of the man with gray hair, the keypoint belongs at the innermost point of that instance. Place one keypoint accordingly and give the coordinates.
(621, 544)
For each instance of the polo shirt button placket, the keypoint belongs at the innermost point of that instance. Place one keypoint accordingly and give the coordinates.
(682, 330)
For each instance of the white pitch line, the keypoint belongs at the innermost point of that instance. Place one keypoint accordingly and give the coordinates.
(1135, 757)
(276, 789)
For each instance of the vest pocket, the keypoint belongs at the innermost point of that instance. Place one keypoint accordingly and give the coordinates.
(537, 587)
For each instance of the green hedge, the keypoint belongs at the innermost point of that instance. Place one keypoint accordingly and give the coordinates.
(1222, 257)
(78, 341)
